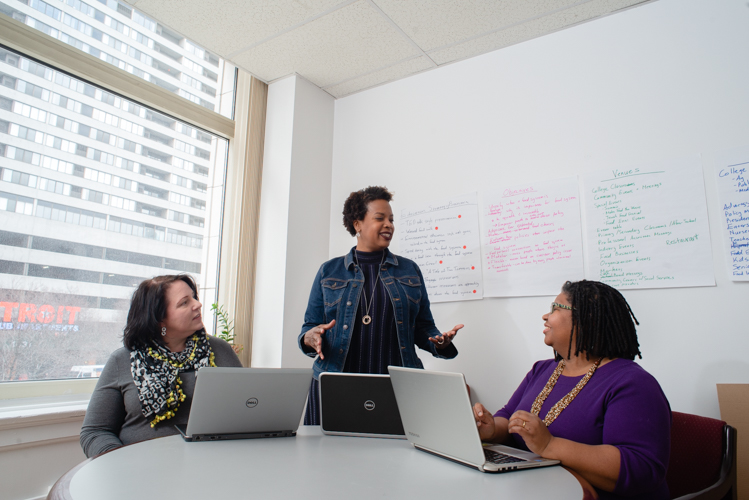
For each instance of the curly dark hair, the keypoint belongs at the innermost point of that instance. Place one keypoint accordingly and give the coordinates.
(356, 205)
(148, 309)
(603, 321)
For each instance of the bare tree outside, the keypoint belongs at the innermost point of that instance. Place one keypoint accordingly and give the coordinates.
(47, 336)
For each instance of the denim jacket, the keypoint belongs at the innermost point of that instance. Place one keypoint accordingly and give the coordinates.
(336, 293)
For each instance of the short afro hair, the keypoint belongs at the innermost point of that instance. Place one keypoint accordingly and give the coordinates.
(356, 205)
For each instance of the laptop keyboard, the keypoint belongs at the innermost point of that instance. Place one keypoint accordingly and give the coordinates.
(496, 457)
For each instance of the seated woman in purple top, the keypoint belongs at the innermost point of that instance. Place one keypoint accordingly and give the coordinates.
(592, 407)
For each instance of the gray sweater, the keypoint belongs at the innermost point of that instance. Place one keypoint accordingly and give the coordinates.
(114, 417)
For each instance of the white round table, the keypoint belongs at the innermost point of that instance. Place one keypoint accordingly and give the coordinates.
(308, 466)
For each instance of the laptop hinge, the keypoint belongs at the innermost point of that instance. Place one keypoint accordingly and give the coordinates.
(448, 457)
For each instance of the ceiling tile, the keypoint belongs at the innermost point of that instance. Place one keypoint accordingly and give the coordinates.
(346, 43)
(225, 26)
(389, 74)
(529, 30)
(435, 23)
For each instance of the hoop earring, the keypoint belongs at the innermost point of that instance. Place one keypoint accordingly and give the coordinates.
(163, 331)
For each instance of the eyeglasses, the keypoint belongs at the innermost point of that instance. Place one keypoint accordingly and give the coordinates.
(555, 305)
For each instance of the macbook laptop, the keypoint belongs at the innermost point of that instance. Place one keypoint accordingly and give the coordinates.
(242, 403)
(354, 404)
(438, 418)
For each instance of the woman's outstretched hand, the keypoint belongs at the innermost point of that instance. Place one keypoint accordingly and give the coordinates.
(444, 340)
(313, 337)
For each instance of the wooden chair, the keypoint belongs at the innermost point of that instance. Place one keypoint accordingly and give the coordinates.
(703, 459)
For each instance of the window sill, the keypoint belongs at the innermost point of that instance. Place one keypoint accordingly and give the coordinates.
(27, 412)
(27, 392)
(42, 420)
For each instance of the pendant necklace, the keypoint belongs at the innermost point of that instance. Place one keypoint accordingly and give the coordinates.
(367, 319)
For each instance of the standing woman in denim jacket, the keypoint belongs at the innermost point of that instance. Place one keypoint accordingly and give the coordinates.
(368, 309)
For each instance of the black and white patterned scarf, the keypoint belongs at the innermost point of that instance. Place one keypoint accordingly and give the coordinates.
(156, 371)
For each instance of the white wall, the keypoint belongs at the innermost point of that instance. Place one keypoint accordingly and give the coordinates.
(38, 444)
(30, 472)
(294, 207)
(662, 80)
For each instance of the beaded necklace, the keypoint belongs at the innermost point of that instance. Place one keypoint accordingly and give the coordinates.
(177, 396)
(174, 364)
(555, 410)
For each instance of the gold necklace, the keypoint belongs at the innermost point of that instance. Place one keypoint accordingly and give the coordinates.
(367, 319)
(555, 410)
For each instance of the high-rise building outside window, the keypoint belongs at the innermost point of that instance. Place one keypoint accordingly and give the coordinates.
(122, 36)
(98, 193)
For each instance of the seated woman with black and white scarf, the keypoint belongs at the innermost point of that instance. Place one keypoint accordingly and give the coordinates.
(146, 386)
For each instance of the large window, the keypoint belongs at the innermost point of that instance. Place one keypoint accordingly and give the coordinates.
(98, 192)
(123, 37)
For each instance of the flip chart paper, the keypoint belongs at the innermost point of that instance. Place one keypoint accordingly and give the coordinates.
(647, 226)
(732, 174)
(531, 238)
(443, 239)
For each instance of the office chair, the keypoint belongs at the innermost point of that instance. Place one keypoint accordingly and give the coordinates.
(703, 459)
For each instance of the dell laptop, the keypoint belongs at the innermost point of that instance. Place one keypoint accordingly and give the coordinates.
(242, 403)
(356, 404)
(438, 418)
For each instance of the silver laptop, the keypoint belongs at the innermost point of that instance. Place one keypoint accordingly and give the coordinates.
(438, 418)
(356, 404)
(242, 403)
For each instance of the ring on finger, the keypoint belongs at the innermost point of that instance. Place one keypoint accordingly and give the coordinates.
(524, 422)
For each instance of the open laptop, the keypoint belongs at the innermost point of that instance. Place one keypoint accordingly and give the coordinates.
(242, 403)
(438, 418)
(363, 405)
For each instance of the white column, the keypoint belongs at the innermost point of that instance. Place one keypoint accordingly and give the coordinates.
(294, 216)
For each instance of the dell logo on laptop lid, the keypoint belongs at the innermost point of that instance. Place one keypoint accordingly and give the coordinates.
(251, 403)
(369, 405)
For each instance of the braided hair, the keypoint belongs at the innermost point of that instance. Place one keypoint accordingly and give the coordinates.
(357, 204)
(602, 323)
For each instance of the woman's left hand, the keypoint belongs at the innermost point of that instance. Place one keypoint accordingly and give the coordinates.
(444, 340)
(532, 429)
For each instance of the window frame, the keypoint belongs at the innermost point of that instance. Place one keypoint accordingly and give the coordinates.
(239, 219)
(52, 52)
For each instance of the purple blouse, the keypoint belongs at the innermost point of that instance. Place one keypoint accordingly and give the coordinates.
(621, 405)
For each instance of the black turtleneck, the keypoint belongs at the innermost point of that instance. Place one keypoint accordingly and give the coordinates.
(374, 346)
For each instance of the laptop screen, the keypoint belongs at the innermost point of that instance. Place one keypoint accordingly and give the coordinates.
(359, 405)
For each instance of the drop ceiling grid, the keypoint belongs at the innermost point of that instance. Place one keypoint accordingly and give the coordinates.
(348, 46)
(225, 26)
(420, 13)
(477, 45)
(526, 31)
(341, 45)
(381, 76)
(439, 23)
